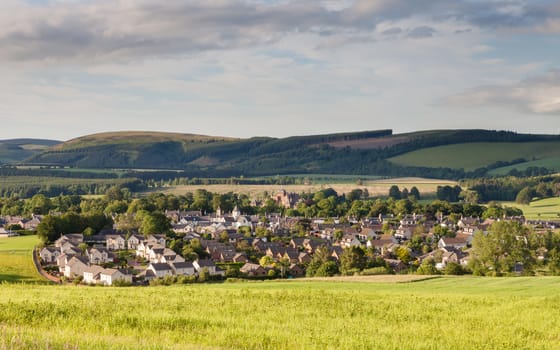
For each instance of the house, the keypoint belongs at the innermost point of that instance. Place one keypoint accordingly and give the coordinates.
(160, 269)
(109, 276)
(133, 241)
(74, 238)
(76, 266)
(208, 265)
(156, 239)
(91, 274)
(116, 242)
(396, 265)
(31, 224)
(183, 268)
(49, 255)
(296, 270)
(69, 248)
(99, 256)
(460, 241)
(240, 258)
(253, 270)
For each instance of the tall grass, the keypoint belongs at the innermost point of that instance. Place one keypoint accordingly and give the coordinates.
(466, 313)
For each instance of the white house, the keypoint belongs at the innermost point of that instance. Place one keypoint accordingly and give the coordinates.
(109, 276)
(49, 255)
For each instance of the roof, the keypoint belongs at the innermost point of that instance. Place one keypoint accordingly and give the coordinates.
(182, 265)
(160, 267)
(205, 263)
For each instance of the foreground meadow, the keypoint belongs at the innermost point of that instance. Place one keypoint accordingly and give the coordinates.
(462, 313)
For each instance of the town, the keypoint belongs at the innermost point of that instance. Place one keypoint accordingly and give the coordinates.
(376, 236)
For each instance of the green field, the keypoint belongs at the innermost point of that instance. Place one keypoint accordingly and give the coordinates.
(16, 263)
(471, 156)
(441, 313)
(548, 208)
(549, 163)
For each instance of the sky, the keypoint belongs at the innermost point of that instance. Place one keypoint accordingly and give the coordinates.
(244, 68)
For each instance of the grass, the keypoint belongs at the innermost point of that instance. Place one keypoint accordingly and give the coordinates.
(427, 187)
(549, 163)
(475, 155)
(548, 208)
(16, 263)
(464, 313)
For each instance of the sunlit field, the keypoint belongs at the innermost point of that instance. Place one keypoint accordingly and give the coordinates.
(438, 313)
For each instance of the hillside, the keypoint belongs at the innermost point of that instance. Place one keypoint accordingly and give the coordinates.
(471, 156)
(16, 150)
(443, 153)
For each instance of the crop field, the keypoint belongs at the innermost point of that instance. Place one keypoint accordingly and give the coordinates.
(439, 313)
(548, 208)
(471, 156)
(427, 187)
(16, 264)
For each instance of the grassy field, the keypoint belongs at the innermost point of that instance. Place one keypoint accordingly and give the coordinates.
(549, 163)
(427, 187)
(16, 264)
(471, 156)
(548, 208)
(440, 313)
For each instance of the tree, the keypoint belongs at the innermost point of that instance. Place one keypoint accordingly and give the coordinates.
(283, 264)
(428, 267)
(352, 259)
(506, 244)
(154, 223)
(415, 193)
(524, 196)
(266, 261)
(394, 192)
(452, 268)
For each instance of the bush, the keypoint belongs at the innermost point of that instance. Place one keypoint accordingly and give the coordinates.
(122, 283)
(377, 271)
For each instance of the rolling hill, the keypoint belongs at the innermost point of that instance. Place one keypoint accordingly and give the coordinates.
(16, 150)
(432, 153)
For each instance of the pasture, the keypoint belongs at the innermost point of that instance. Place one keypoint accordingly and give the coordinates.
(16, 263)
(548, 208)
(470, 156)
(377, 188)
(438, 313)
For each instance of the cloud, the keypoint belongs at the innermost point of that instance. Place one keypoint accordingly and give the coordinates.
(538, 95)
(121, 29)
(421, 32)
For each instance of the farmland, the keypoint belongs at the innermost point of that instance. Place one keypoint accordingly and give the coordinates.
(548, 208)
(427, 187)
(466, 313)
(471, 156)
(15, 259)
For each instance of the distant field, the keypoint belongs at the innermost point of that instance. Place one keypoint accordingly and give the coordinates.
(548, 208)
(440, 313)
(549, 163)
(375, 187)
(15, 181)
(471, 156)
(16, 263)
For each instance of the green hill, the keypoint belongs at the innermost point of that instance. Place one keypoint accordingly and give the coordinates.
(470, 156)
(433, 153)
(16, 150)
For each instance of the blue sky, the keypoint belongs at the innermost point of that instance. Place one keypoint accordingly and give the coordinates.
(277, 68)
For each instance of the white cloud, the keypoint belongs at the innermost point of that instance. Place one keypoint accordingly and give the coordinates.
(540, 95)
